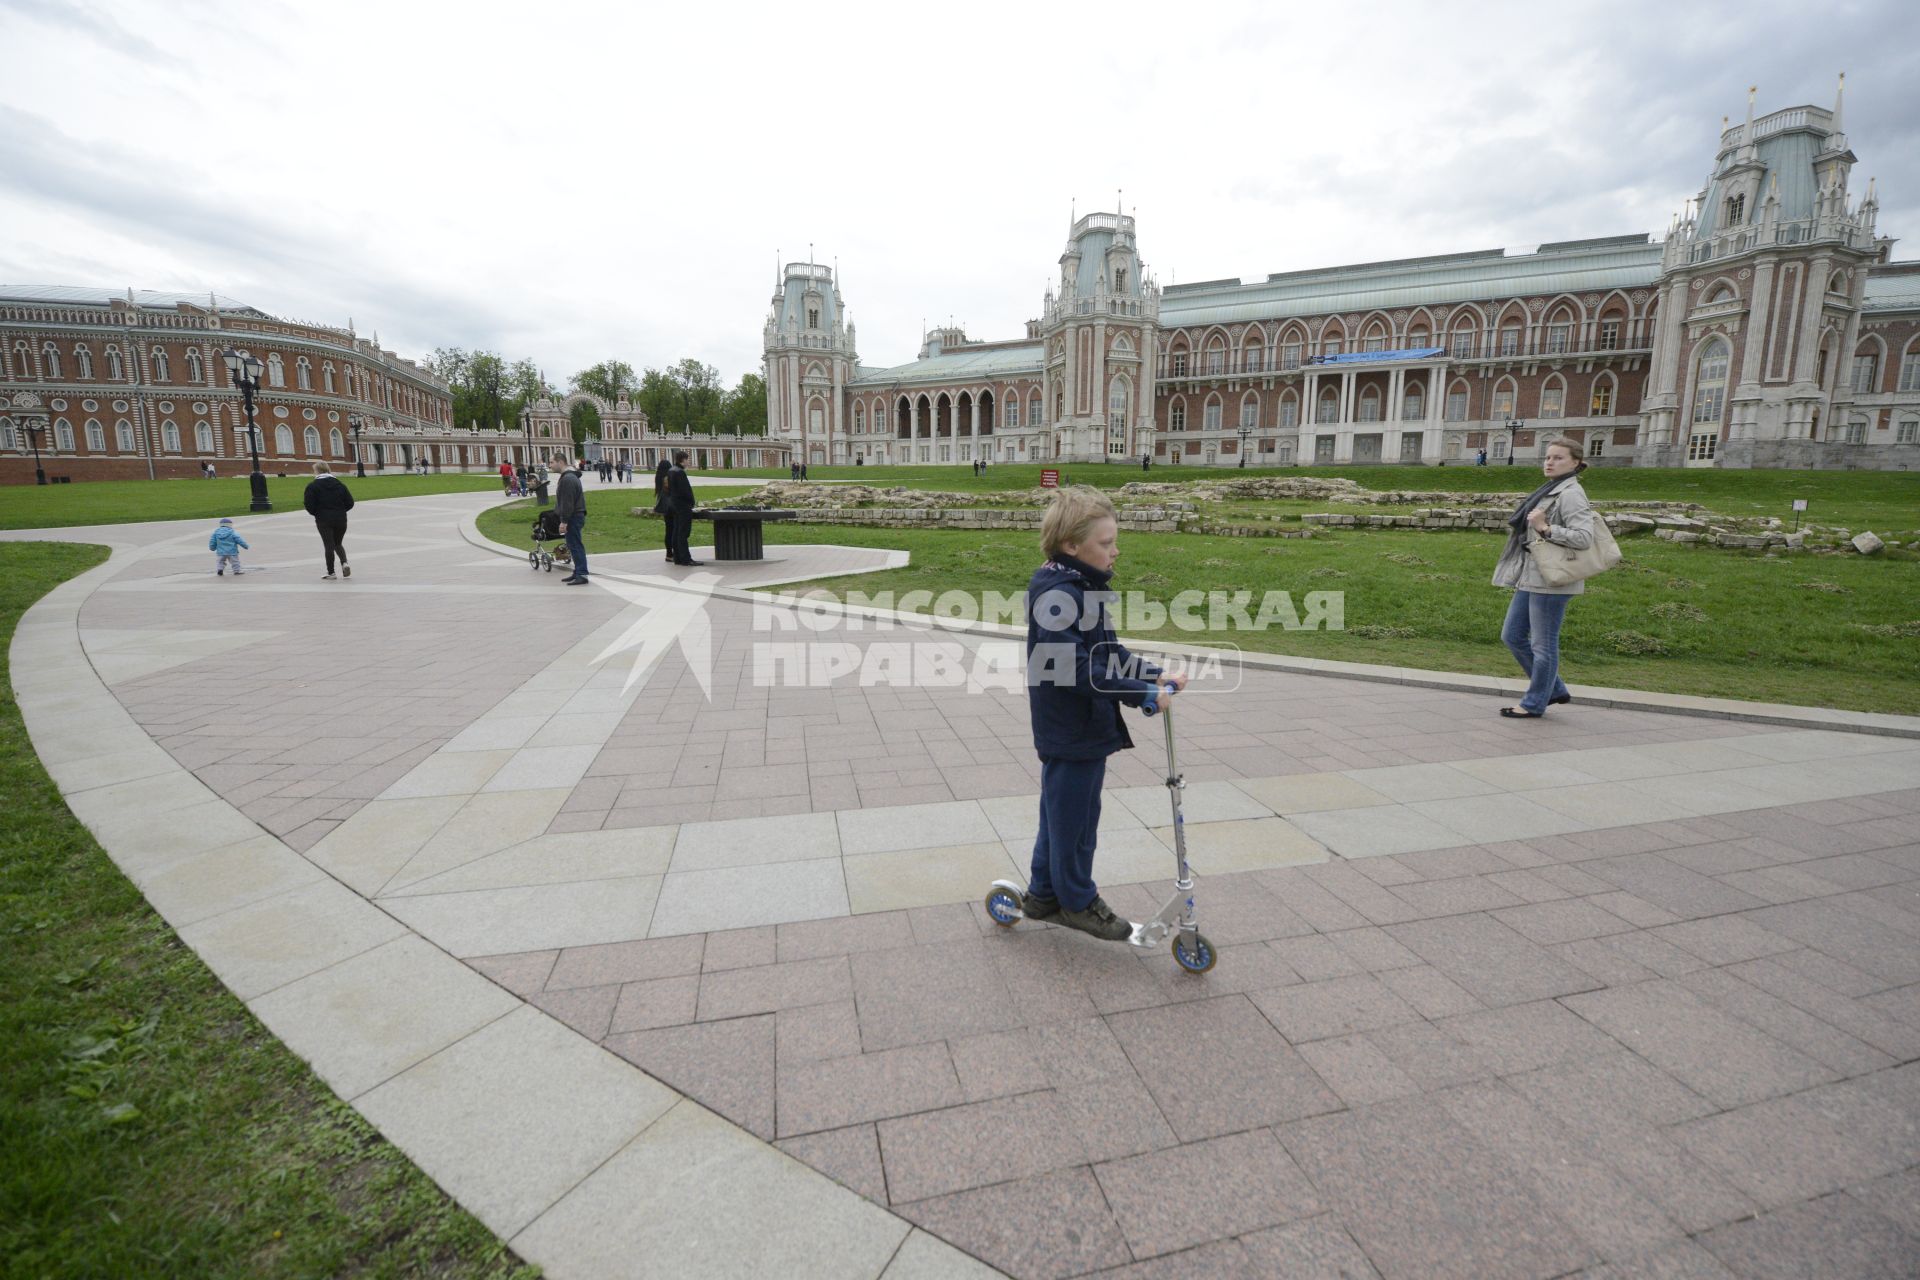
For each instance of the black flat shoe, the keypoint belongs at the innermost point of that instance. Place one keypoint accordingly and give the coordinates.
(1561, 700)
(1514, 713)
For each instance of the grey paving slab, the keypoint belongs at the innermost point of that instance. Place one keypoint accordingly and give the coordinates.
(1051, 1226)
(1492, 961)
(1836, 1235)
(728, 1066)
(690, 1181)
(1396, 1174)
(512, 1117)
(1717, 1056)
(1216, 1067)
(532, 918)
(364, 1020)
(267, 944)
(1252, 1182)
(743, 897)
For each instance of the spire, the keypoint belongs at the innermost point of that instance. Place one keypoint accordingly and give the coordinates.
(1839, 101)
(1746, 130)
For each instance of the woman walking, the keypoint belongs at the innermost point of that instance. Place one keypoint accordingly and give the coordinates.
(1558, 512)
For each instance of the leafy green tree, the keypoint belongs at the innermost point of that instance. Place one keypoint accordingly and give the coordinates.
(586, 421)
(657, 398)
(698, 388)
(745, 409)
(608, 380)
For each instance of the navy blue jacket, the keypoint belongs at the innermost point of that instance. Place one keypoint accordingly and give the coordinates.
(1078, 672)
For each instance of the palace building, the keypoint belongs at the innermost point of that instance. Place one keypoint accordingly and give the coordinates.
(127, 386)
(111, 386)
(1769, 328)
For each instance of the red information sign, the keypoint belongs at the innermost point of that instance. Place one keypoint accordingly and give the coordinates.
(1049, 479)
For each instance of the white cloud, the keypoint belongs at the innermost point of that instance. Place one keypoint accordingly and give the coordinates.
(571, 181)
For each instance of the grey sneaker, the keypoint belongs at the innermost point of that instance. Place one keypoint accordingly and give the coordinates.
(1035, 907)
(1098, 919)
(346, 570)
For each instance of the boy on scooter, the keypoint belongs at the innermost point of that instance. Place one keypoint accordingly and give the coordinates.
(1078, 677)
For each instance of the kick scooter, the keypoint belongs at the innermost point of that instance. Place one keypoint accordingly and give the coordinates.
(1191, 950)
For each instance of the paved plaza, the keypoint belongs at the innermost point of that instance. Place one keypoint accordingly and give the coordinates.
(661, 970)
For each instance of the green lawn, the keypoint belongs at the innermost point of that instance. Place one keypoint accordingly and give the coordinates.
(1723, 623)
(150, 1126)
(1880, 500)
(62, 506)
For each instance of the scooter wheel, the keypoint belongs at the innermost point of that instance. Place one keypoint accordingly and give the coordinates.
(546, 562)
(1196, 956)
(533, 558)
(1003, 908)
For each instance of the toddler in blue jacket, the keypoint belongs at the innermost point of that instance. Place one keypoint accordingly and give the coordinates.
(1079, 675)
(227, 544)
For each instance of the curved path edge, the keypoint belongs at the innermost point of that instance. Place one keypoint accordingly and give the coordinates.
(579, 1161)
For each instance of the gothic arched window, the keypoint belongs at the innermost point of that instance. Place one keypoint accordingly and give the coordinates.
(1710, 381)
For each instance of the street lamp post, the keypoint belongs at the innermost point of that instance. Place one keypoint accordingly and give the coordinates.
(244, 369)
(1245, 431)
(34, 431)
(354, 424)
(1513, 426)
(526, 425)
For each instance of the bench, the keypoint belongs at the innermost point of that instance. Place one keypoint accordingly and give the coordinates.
(736, 533)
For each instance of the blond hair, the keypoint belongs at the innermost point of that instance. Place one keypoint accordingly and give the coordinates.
(1071, 518)
(322, 469)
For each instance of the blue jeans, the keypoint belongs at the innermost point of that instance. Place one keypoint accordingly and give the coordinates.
(1069, 827)
(576, 548)
(1532, 632)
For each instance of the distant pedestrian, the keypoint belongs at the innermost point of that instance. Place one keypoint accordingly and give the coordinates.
(1146, 462)
(570, 506)
(1557, 512)
(1480, 458)
(803, 471)
(506, 477)
(226, 544)
(328, 501)
(207, 470)
(540, 484)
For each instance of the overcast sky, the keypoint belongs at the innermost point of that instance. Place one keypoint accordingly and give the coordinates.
(577, 181)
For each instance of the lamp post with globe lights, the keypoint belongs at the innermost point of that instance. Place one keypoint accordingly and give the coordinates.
(354, 424)
(1513, 428)
(244, 369)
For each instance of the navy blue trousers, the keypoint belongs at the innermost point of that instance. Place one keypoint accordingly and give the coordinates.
(1069, 828)
(577, 543)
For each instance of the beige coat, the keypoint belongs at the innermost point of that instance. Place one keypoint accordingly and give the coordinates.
(1569, 523)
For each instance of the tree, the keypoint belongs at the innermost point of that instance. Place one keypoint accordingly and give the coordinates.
(608, 380)
(585, 420)
(657, 398)
(745, 410)
(697, 386)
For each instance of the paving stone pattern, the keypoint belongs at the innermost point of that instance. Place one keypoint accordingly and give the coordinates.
(1613, 994)
(1393, 1076)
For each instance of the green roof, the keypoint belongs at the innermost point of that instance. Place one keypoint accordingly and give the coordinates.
(1582, 266)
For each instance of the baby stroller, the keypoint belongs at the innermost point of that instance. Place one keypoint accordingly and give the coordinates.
(546, 528)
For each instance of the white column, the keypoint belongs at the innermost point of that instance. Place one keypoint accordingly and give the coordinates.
(913, 425)
(974, 434)
(1347, 388)
(1433, 445)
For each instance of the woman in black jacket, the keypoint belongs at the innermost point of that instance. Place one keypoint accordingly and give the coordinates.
(328, 501)
(660, 500)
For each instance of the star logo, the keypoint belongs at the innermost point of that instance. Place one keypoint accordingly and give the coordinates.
(670, 618)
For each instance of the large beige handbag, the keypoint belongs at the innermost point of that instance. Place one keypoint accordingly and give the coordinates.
(1562, 566)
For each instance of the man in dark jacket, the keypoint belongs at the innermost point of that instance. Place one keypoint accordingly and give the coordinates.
(679, 511)
(328, 502)
(570, 508)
